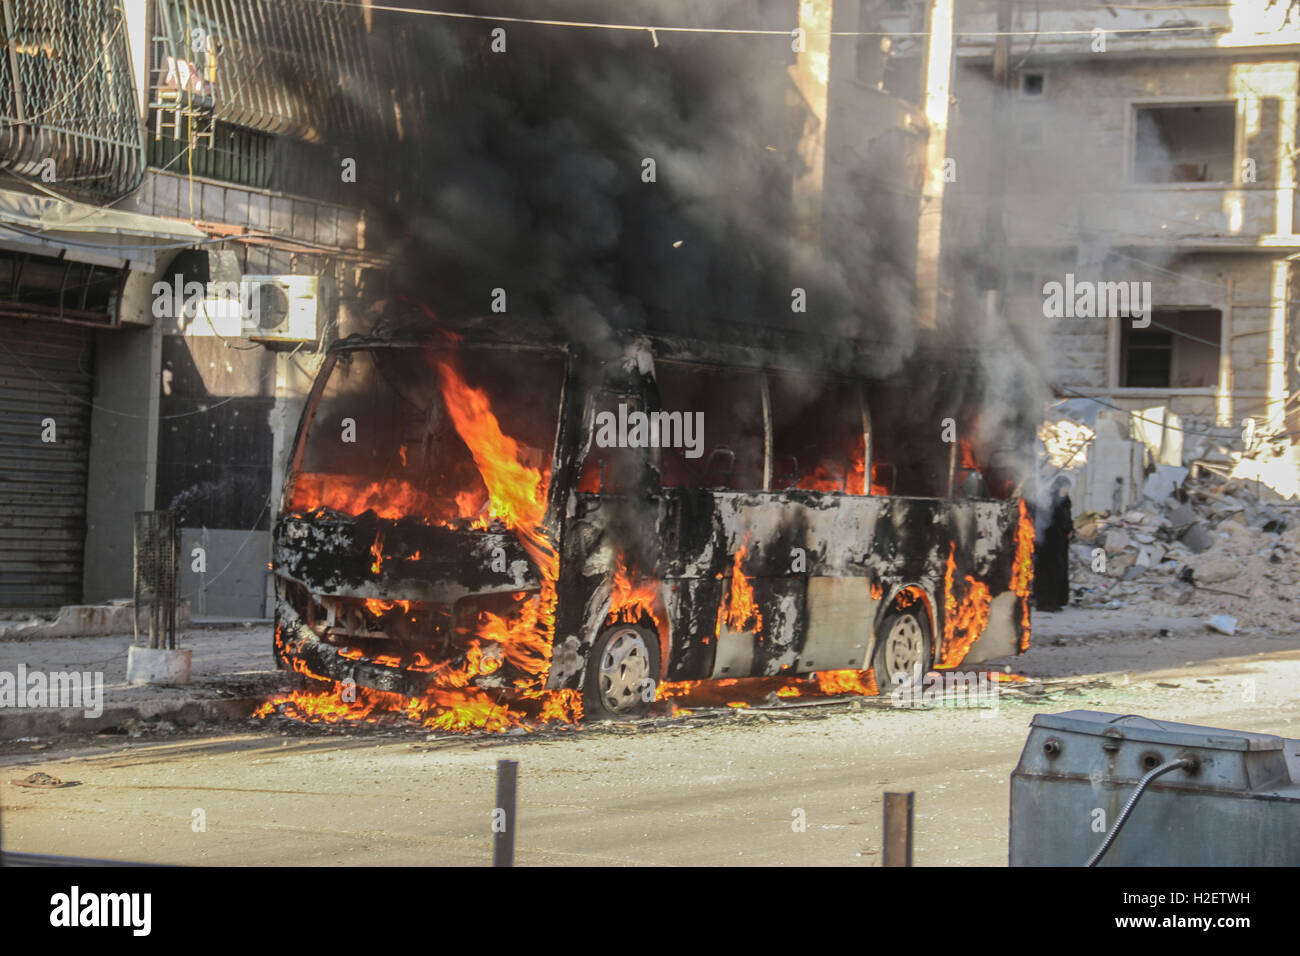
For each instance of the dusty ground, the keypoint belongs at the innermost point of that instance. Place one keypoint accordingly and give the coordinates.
(715, 791)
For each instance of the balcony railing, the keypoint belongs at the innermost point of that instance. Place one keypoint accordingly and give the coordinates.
(69, 116)
(285, 67)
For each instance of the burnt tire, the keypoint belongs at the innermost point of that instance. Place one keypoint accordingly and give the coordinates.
(622, 672)
(903, 647)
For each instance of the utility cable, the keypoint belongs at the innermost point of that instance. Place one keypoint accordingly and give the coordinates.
(1184, 763)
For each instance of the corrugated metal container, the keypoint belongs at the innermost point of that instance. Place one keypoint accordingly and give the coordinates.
(1238, 806)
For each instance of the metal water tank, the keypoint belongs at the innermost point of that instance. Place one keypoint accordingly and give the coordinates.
(1214, 797)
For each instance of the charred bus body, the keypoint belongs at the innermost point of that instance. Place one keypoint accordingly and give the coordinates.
(514, 513)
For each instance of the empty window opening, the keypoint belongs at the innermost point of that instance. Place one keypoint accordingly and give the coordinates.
(1179, 349)
(1185, 144)
(729, 454)
(817, 436)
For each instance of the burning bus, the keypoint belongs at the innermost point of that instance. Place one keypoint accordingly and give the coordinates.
(498, 526)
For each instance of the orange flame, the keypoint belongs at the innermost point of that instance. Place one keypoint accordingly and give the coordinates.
(447, 710)
(878, 487)
(391, 499)
(746, 691)
(846, 682)
(855, 483)
(632, 600)
(516, 492)
(379, 607)
(964, 620)
(742, 610)
(1001, 678)
(517, 496)
(965, 455)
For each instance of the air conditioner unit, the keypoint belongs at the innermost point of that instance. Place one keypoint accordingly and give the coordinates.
(280, 308)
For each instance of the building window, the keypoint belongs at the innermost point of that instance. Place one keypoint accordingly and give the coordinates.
(891, 64)
(1185, 144)
(1033, 84)
(1179, 349)
(244, 157)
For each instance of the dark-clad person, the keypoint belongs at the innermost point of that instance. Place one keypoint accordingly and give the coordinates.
(1052, 550)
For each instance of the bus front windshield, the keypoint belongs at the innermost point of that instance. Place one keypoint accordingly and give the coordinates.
(461, 437)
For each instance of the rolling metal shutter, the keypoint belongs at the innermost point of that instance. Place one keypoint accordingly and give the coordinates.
(46, 371)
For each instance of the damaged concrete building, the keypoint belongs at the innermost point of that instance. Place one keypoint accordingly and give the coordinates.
(1124, 178)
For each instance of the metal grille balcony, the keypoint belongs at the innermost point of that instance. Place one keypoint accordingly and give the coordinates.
(286, 67)
(69, 116)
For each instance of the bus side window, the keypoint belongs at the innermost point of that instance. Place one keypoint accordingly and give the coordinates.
(721, 418)
(908, 455)
(817, 435)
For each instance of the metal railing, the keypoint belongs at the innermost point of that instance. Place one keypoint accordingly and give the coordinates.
(287, 67)
(69, 115)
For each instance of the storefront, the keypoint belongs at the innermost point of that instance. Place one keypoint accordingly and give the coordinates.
(64, 268)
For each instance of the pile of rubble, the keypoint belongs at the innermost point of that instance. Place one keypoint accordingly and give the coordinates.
(1227, 551)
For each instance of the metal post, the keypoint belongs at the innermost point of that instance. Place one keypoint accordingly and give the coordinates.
(898, 829)
(503, 817)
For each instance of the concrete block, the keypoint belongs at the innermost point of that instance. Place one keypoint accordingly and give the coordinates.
(1117, 539)
(1162, 432)
(148, 665)
(1217, 571)
(1163, 482)
(1181, 516)
(1151, 554)
(1224, 624)
(1197, 538)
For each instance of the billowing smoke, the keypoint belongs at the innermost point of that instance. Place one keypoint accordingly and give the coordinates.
(600, 179)
(605, 179)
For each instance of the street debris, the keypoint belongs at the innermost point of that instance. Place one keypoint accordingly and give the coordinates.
(1177, 517)
(43, 781)
(1224, 624)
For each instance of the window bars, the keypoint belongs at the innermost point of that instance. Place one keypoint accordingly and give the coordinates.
(69, 116)
(285, 67)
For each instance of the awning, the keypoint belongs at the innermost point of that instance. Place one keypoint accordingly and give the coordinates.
(85, 233)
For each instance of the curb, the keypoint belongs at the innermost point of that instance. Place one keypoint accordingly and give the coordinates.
(84, 620)
(53, 722)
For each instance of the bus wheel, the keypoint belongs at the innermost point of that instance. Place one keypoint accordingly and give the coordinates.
(903, 649)
(622, 671)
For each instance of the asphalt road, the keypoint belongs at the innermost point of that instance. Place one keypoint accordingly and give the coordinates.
(725, 791)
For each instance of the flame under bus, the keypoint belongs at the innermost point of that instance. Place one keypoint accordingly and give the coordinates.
(482, 524)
